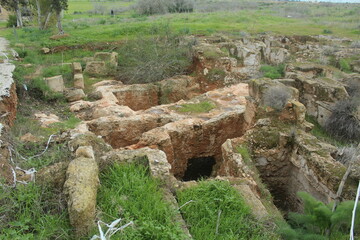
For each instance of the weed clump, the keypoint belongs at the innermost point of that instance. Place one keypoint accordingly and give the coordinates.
(33, 212)
(276, 97)
(343, 123)
(214, 198)
(128, 192)
(273, 72)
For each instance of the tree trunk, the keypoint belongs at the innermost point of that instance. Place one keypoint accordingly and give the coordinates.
(19, 21)
(38, 8)
(59, 25)
(47, 20)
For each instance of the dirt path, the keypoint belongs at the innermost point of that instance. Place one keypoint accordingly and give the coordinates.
(6, 69)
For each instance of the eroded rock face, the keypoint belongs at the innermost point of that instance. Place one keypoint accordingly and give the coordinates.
(124, 131)
(137, 96)
(81, 189)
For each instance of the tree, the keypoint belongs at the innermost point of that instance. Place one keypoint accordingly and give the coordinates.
(59, 6)
(45, 9)
(14, 6)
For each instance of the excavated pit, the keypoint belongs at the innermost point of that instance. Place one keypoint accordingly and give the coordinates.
(199, 168)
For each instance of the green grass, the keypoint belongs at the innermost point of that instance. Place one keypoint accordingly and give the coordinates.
(201, 107)
(235, 222)
(32, 212)
(273, 72)
(320, 133)
(270, 17)
(128, 192)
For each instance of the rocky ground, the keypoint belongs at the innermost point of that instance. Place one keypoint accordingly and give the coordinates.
(189, 127)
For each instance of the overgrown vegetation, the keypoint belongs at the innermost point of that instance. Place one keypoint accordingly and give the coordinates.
(201, 107)
(276, 97)
(273, 72)
(33, 212)
(319, 132)
(128, 192)
(319, 222)
(217, 211)
(145, 60)
(343, 123)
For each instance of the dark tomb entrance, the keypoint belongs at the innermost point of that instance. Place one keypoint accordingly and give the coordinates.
(199, 168)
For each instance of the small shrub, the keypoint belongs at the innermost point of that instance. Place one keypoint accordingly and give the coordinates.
(355, 44)
(12, 21)
(327, 31)
(345, 155)
(273, 72)
(353, 88)
(344, 65)
(276, 97)
(153, 59)
(318, 221)
(181, 6)
(151, 7)
(343, 123)
(216, 74)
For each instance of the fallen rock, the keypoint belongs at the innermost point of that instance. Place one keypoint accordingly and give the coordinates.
(29, 138)
(55, 83)
(45, 120)
(73, 95)
(45, 50)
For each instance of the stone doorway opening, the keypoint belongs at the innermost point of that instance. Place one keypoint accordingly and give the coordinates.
(197, 168)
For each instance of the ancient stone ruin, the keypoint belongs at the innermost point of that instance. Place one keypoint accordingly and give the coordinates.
(150, 124)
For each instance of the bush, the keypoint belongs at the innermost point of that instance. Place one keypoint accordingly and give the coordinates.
(151, 7)
(318, 220)
(355, 44)
(344, 65)
(153, 59)
(353, 87)
(12, 21)
(181, 6)
(327, 31)
(273, 72)
(276, 97)
(343, 123)
(345, 155)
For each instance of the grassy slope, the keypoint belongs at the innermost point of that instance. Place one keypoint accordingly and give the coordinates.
(342, 20)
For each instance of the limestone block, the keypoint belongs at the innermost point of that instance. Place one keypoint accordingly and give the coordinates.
(77, 67)
(56, 83)
(79, 81)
